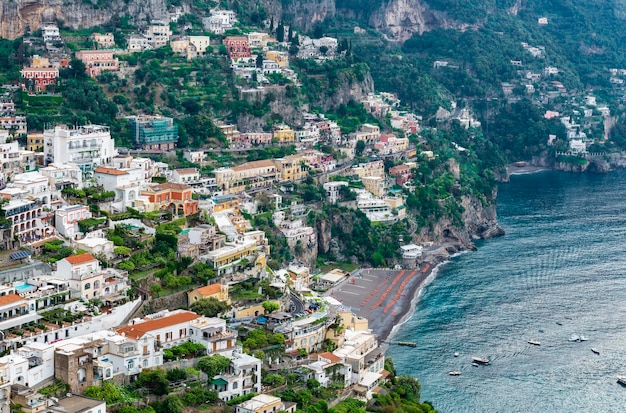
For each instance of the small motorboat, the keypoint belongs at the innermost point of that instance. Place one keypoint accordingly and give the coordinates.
(558, 323)
(475, 364)
(622, 380)
(456, 354)
(534, 342)
(455, 373)
(574, 338)
(583, 338)
(595, 351)
(480, 360)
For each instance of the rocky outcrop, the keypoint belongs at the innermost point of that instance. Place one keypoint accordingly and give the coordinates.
(18, 16)
(350, 89)
(479, 222)
(401, 19)
(324, 236)
(282, 108)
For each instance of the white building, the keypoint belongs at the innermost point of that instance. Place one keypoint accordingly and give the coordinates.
(219, 21)
(158, 35)
(126, 183)
(137, 43)
(187, 176)
(85, 146)
(63, 176)
(85, 275)
(243, 377)
(333, 189)
(66, 219)
(35, 186)
(264, 403)
(50, 33)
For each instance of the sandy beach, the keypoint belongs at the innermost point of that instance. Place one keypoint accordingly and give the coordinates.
(385, 296)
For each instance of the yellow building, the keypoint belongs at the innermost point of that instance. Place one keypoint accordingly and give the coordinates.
(375, 185)
(284, 133)
(282, 58)
(375, 168)
(252, 310)
(250, 175)
(291, 168)
(258, 40)
(217, 291)
(34, 142)
(223, 258)
(226, 203)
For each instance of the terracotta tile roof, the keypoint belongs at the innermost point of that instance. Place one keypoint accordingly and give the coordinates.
(9, 299)
(267, 163)
(330, 357)
(167, 186)
(109, 171)
(186, 171)
(210, 289)
(80, 258)
(138, 330)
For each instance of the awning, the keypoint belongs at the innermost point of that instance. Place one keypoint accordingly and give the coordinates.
(219, 382)
(19, 255)
(369, 379)
(115, 299)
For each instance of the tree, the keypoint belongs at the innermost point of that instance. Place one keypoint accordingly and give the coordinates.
(155, 381)
(155, 289)
(290, 34)
(270, 306)
(76, 70)
(280, 32)
(213, 365)
(359, 148)
(259, 61)
(209, 307)
(125, 251)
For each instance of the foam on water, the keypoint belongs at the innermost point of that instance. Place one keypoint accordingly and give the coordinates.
(560, 270)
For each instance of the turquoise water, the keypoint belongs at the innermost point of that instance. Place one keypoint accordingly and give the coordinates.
(560, 270)
(23, 287)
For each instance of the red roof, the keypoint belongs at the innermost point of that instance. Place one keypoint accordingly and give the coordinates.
(80, 259)
(210, 289)
(136, 331)
(9, 299)
(109, 171)
(330, 357)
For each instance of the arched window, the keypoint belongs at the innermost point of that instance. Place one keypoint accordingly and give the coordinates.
(87, 286)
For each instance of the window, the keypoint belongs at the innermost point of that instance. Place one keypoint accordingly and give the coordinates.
(87, 286)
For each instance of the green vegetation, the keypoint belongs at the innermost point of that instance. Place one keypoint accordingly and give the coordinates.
(185, 350)
(209, 307)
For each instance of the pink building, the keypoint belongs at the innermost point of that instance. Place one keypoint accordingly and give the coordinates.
(97, 61)
(402, 173)
(237, 47)
(37, 79)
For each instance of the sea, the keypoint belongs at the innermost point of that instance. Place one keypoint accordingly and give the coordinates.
(560, 271)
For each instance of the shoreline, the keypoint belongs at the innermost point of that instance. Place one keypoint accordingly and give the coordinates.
(388, 298)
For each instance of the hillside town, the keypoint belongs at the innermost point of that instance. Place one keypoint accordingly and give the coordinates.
(115, 263)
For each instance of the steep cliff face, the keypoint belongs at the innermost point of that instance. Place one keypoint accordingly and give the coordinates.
(479, 222)
(400, 19)
(17, 16)
(350, 89)
(303, 14)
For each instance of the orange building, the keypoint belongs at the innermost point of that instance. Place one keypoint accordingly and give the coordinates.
(172, 196)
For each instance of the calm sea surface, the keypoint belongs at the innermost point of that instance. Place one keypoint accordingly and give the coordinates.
(560, 270)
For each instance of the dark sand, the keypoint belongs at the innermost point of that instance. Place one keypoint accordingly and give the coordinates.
(383, 296)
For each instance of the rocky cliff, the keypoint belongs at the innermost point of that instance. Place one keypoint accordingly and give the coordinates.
(19, 16)
(400, 19)
(479, 222)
